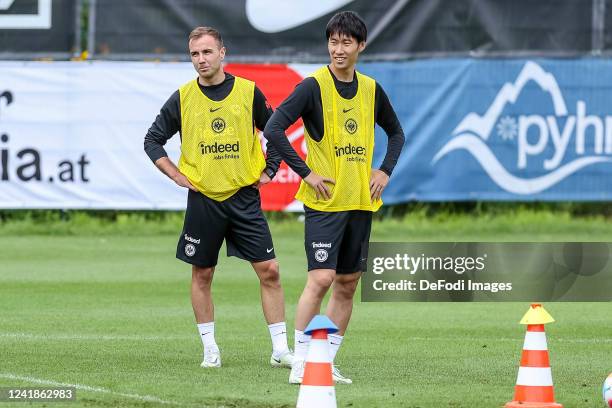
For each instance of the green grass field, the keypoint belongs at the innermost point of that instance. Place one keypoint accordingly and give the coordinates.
(107, 308)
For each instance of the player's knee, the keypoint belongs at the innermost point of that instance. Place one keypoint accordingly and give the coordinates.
(270, 275)
(345, 288)
(320, 283)
(345, 292)
(202, 276)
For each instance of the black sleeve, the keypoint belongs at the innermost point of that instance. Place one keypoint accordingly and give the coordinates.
(166, 124)
(299, 103)
(261, 114)
(387, 120)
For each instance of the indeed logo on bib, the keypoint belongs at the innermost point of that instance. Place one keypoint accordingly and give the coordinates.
(221, 151)
(521, 146)
(219, 147)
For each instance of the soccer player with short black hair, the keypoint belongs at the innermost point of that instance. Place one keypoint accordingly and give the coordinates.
(339, 189)
(222, 165)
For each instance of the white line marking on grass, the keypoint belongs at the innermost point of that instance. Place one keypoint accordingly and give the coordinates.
(147, 398)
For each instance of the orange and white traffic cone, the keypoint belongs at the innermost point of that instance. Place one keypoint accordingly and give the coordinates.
(534, 385)
(317, 389)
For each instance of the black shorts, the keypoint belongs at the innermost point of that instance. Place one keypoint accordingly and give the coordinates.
(239, 220)
(337, 240)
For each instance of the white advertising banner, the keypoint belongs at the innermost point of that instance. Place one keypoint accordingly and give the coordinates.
(72, 133)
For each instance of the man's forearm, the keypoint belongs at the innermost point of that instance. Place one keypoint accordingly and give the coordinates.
(154, 148)
(394, 148)
(275, 134)
(273, 157)
(169, 169)
(165, 165)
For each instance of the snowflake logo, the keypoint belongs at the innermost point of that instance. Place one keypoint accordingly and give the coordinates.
(507, 128)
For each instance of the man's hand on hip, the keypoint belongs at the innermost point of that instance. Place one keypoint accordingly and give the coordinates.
(180, 179)
(263, 180)
(378, 182)
(169, 169)
(318, 184)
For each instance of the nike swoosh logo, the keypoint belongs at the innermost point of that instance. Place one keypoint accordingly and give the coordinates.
(269, 250)
(204, 334)
(302, 342)
(346, 110)
(276, 359)
(334, 344)
(273, 16)
(278, 334)
(216, 109)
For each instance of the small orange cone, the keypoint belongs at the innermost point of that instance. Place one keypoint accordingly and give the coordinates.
(534, 385)
(317, 389)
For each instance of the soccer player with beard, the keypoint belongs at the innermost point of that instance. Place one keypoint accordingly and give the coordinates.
(222, 166)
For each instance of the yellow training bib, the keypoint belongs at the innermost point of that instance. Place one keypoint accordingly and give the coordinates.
(345, 151)
(220, 148)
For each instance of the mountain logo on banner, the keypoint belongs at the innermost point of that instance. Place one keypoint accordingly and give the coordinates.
(562, 136)
(273, 16)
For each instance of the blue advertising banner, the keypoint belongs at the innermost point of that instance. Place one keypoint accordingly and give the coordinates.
(515, 130)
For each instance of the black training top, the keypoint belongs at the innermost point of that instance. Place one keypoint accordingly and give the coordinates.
(168, 121)
(305, 101)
